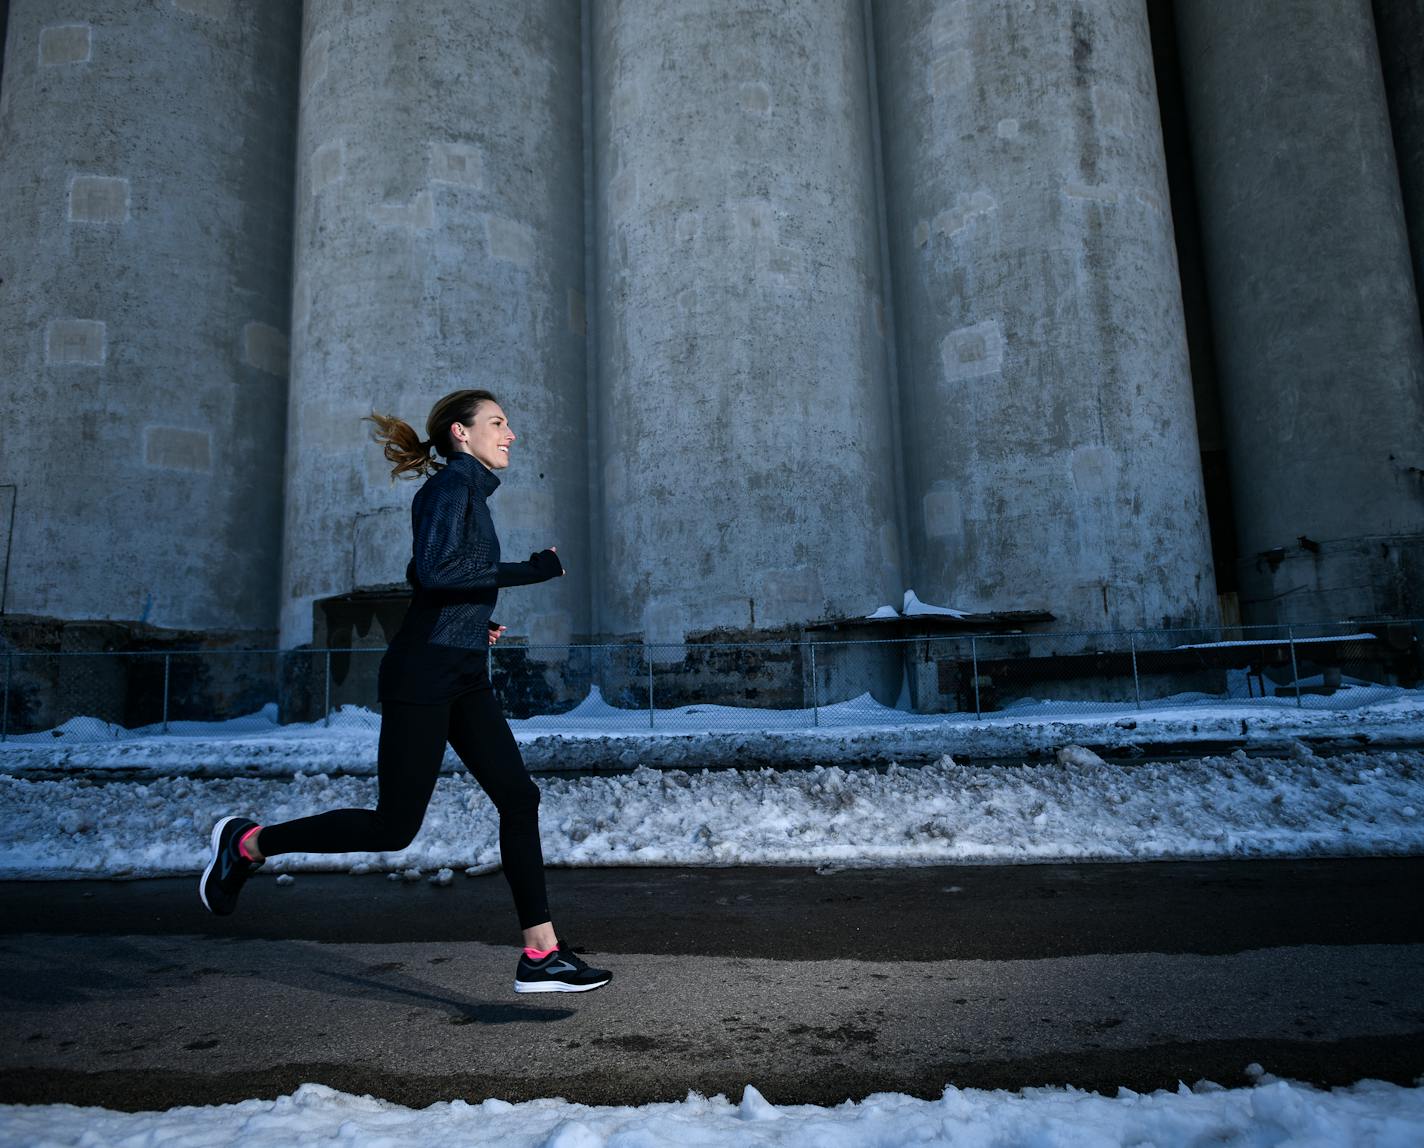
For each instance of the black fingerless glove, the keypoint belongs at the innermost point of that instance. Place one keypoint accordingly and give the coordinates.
(547, 564)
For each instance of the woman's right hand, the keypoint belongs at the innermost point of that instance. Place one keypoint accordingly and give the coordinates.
(546, 563)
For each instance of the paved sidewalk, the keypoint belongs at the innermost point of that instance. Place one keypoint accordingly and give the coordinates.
(812, 987)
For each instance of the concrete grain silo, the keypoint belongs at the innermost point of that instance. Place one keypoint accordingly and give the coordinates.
(1051, 451)
(1399, 30)
(747, 464)
(145, 183)
(439, 245)
(1314, 309)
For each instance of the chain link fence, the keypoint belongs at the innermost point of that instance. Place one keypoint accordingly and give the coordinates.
(710, 687)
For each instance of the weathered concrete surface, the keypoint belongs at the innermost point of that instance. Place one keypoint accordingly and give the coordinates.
(439, 245)
(145, 183)
(1399, 30)
(1051, 452)
(746, 465)
(812, 987)
(1315, 315)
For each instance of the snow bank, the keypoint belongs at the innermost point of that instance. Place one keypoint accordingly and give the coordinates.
(1367, 1115)
(596, 735)
(1087, 809)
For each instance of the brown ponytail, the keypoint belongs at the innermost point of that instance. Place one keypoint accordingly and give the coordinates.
(403, 446)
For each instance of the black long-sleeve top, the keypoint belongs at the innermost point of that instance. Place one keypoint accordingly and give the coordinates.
(455, 575)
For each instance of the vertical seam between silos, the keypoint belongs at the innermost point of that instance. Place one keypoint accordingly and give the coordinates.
(887, 300)
(591, 378)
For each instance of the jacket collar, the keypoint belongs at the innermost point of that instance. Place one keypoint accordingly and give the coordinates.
(473, 470)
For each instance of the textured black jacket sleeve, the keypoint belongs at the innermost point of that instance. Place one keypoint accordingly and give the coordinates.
(456, 547)
(448, 555)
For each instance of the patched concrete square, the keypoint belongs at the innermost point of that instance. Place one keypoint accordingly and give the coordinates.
(81, 341)
(65, 44)
(175, 448)
(98, 199)
(971, 352)
(417, 215)
(375, 562)
(212, 9)
(457, 163)
(510, 240)
(756, 97)
(754, 220)
(265, 348)
(328, 164)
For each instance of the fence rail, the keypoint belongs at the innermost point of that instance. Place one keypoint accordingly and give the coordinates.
(815, 682)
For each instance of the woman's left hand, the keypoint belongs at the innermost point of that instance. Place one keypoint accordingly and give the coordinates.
(495, 630)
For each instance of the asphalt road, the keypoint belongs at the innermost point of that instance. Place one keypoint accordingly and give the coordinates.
(812, 986)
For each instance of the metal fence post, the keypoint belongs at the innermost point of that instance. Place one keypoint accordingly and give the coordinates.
(974, 666)
(1136, 687)
(5, 711)
(648, 653)
(815, 690)
(326, 704)
(1295, 670)
(167, 659)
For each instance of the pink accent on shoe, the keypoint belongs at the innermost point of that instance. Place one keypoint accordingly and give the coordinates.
(539, 954)
(242, 843)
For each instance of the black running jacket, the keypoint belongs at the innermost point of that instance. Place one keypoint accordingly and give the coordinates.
(455, 576)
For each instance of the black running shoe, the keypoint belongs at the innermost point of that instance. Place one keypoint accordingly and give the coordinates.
(228, 870)
(560, 972)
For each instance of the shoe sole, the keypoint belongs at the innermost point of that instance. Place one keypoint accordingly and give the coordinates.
(556, 987)
(213, 860)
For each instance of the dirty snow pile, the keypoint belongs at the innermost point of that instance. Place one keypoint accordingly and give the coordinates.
(1366, 1115)
(1077, 807)
(597, 735)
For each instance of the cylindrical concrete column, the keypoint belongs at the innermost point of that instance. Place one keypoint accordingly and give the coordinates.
(1399, 31)
(1052, 459)
(439, 246)
(1313, 304)
(145, 183)
(748, 483)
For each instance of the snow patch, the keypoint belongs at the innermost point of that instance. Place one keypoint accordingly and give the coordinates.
(1367, 1115)
(945, 812)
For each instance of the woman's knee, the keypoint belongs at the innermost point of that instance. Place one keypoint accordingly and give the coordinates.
(520, 797)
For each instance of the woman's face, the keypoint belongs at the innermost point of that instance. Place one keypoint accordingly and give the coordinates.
(487, 438)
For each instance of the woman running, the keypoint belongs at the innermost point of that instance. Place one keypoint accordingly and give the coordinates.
(434, 688)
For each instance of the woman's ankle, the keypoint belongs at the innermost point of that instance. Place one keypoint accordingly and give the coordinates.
(247, 845)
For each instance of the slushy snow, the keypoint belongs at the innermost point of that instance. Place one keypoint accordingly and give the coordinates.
(1367, 1115)
(1079, 807)
(597, 735)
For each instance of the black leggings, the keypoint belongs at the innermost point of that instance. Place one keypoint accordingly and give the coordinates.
(412, 746)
